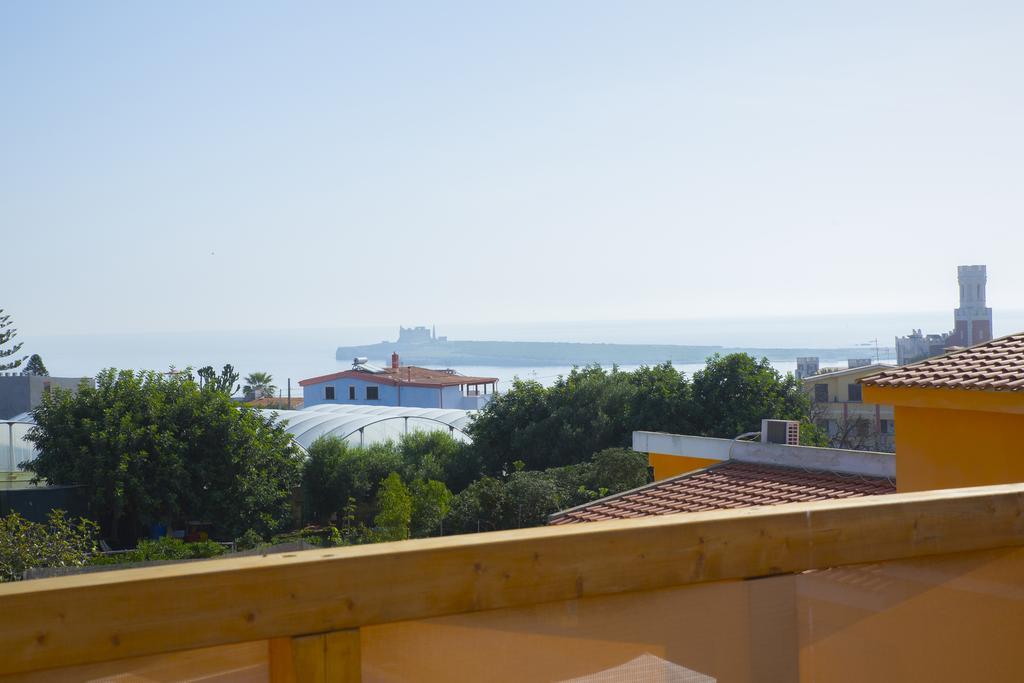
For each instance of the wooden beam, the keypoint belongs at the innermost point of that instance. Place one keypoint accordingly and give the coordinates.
(319, 658)
(111, 615)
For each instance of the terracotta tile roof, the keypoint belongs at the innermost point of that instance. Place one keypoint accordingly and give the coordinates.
(405, 375)
(731, 484)
(997, 365)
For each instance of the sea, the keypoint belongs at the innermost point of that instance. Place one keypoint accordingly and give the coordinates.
(293, 355)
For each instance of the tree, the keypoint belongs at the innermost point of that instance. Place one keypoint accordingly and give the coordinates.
(60, 542)
(7, 333)
(394, 503)
(431, 501)
(733, 393)
(259, 385)
(151, 447)
(481, 506)
(225, 382)
(35, 366)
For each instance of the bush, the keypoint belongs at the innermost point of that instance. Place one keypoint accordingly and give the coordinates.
(165, 548)
(249, 540)
(60, 542)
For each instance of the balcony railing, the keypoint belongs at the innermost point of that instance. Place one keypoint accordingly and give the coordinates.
(920, 586)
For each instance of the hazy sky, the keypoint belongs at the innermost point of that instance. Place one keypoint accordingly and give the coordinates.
(195, 165)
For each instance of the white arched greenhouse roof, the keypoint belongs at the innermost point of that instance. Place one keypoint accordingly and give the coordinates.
(365, 425)
(15, 449)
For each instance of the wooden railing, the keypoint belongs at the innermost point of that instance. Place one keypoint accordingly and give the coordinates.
(310, 605)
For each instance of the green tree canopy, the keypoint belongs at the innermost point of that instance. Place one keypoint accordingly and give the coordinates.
(394, 505)
(151, 447)
(586, 411)
(7, 333)
(733, 393)
(35, 366)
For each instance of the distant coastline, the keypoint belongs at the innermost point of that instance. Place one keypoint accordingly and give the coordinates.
(453, 353)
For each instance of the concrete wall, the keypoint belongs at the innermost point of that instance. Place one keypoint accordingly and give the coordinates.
(21, 393)
(673, 454)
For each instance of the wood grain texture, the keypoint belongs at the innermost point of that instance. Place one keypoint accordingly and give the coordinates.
(97, 617)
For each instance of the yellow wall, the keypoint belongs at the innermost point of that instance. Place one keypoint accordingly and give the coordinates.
(954, 438)
(939, 448)
(666, 466)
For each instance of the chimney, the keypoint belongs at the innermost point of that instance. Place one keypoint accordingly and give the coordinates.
(394, 360)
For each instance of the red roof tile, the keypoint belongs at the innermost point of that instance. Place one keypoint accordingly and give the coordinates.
(997, 365)
(405, 375)
(731, 484)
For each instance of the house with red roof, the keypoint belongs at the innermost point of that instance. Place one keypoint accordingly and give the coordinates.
(399, 385)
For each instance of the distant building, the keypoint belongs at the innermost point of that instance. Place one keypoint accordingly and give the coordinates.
(837, 407)
(858, 363)
(419, 335)
(22, 393)
(398, 385)
(807, 366)
(972, 322)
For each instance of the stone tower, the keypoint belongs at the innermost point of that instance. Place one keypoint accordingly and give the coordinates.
(972, 320)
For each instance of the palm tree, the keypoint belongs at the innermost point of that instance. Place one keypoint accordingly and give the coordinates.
(259, 384)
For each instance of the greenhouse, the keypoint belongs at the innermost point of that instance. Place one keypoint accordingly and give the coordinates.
(365, 425)
(359, 425)
(15, 449)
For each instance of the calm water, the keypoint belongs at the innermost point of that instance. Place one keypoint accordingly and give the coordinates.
(298, 354)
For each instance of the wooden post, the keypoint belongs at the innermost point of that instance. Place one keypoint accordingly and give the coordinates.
(319, 658)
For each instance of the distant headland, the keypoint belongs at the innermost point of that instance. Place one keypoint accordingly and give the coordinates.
(422, 346)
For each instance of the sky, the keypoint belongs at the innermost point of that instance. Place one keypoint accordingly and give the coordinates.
(250, 165)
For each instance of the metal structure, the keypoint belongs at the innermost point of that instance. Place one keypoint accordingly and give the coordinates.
(365, 425)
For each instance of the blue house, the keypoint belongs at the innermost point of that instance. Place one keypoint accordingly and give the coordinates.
(398, 385)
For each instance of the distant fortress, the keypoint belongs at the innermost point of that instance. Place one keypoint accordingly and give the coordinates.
(419, 335)
(421, 346)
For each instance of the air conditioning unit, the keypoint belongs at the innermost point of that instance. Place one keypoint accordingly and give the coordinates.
(785, 432)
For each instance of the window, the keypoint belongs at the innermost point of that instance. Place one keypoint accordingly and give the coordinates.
(372, 393)
(328, 393)
(862, 427)
(821, 393)
(854, 391)
(351, 393)
(883, 426)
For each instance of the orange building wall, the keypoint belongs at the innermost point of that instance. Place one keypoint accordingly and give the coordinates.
(666, 466)
(942, 448)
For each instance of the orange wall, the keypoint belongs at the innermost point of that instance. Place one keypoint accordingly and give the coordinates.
(666, 466)
(939, 448)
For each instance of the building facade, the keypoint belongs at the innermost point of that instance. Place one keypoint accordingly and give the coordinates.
(398, 385)
(839, 409)
(21, 393)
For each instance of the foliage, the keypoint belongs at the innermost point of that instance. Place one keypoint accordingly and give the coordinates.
(7, 333)
(431, 501)
(164, 548)
(249, 540)
(224, 382)
(733, 393)
(151, 447)
(394, 503)
(324, 537)
(259, 384)
(527, 497)
(592, 409)
(60, 542)
(35, 366)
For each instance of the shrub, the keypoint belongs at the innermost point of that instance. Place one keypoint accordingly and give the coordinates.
(60, 542)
